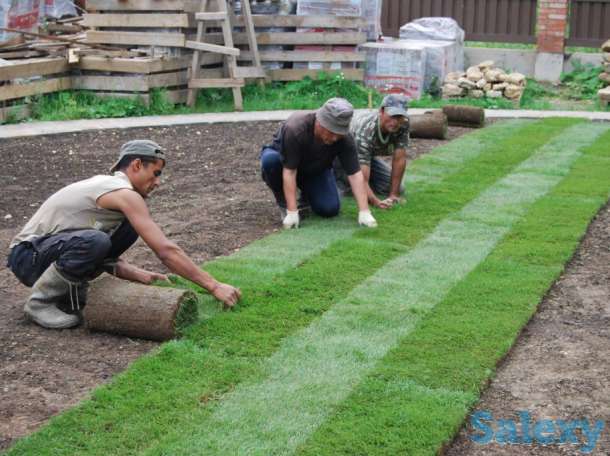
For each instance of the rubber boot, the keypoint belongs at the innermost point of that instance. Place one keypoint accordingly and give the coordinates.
(41, 307)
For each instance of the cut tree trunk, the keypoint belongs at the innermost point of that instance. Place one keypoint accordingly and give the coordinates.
(465, 116)
(137, 310)
(430, 125)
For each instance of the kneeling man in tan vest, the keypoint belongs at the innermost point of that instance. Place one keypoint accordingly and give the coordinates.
(82, 230)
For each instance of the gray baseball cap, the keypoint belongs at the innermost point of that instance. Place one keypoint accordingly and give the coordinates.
(335, 115)
(141, 148)
(395, 104)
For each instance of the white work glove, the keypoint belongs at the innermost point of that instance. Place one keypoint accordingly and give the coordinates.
(366, 218)
(291, 220)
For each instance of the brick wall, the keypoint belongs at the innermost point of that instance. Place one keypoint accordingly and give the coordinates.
(551, 25)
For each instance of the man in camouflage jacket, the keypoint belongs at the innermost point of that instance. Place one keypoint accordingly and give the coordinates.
(379, 133)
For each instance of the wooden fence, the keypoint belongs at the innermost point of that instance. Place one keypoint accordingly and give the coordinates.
(589, 22)
(510, 21)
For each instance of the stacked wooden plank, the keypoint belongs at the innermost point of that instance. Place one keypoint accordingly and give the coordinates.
(155, 29)
(604, 94)
(170, 23)
(132, 47)
(22, 79)
(322, 37)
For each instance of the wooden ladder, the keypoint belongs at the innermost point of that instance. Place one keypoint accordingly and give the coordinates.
(236, 75)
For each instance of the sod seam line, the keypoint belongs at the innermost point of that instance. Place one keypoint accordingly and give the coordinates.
(316, 368)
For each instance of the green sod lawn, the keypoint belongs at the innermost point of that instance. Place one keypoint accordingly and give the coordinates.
(354, 341)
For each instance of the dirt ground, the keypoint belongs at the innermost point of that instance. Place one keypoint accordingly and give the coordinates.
(212, 201)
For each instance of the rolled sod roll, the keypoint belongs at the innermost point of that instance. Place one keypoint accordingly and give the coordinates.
(137, 310)
(430, 125)
(465, 116)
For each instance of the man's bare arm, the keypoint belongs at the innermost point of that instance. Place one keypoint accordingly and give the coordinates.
(127, 271)
(133, 206)
(372, 198)
(357, 183)
(399, 163)
(289, 180)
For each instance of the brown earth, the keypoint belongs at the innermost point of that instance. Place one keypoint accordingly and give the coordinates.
(212, 201)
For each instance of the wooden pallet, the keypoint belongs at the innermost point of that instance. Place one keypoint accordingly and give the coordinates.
(131, 23)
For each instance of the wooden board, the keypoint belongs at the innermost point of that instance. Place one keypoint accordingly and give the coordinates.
(16, 91)
(306, 56)
(33, 67)
(138, 20)
(262, 38)
(207, 47)
(137, 65)
(351, 74)
(205, 83)
(111, 83)
(268, 20)
(21, 54)
(143, 5)
(137, 38)
(17, 112)
(168, 79)
(296, 38)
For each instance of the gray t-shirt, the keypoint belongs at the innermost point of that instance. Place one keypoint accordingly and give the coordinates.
(75, 208)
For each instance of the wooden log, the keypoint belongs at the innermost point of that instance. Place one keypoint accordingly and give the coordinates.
(430, 125)
(465, 116)
(137, 310)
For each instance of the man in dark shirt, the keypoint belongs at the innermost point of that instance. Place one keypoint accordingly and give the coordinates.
(302, 155)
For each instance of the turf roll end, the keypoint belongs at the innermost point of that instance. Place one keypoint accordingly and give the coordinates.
(136, 310)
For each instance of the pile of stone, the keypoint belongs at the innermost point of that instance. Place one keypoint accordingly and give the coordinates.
(604, 94)
(484, 80)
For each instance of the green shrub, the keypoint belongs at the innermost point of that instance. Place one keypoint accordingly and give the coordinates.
(583, 81)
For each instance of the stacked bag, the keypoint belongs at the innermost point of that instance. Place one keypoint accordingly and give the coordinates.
(25, 15)
(484, 80)
(429, 48)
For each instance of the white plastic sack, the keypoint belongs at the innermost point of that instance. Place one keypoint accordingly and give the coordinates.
(433, 28)
(58, 8)
(442, 57)
(19, 15)
(395, 67)
(371, 10)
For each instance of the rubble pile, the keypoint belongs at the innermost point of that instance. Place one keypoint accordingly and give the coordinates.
(484, 80)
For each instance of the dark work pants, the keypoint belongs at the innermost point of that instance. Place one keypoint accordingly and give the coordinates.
(380, 177)
(319, 189)
(80, 255)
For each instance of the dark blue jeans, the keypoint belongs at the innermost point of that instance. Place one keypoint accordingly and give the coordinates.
(319, 189)
(80, 255)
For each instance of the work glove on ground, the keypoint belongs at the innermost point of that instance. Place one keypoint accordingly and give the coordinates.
(365, 218)
(291, 220)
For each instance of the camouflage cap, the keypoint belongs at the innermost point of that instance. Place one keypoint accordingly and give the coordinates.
(395, 105)
(141, 148)
(335, 115)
